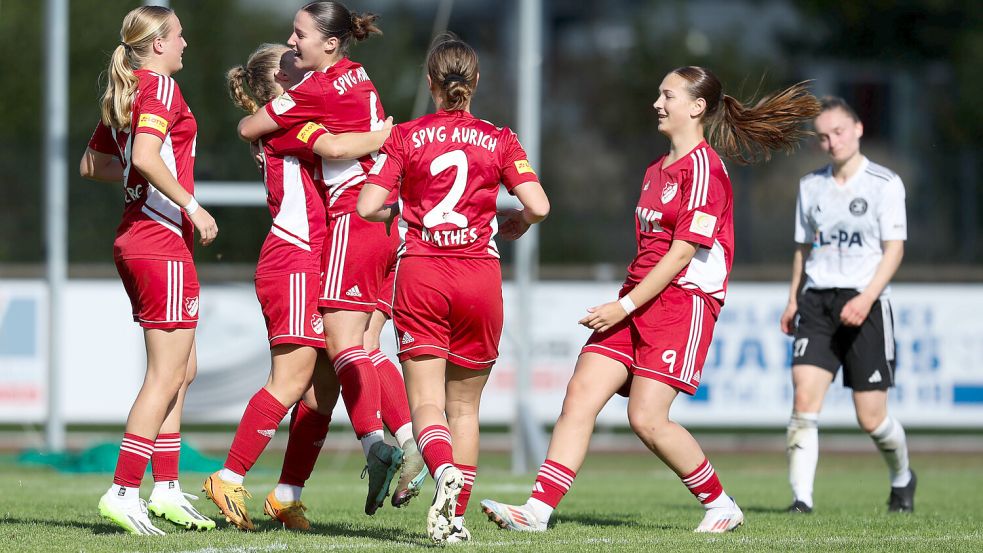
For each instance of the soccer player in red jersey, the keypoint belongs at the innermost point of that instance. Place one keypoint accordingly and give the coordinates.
(338, 93)
(146, 141)
(651, 343)
(287, 279)
(448, 302)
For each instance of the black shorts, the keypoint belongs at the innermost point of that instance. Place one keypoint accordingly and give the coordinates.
(866, 353)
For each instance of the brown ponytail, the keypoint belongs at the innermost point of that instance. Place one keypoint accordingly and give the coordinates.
(252, 85)
(452, 65)
(749, 134)
(363, 26)
(140, 28)
(333, 19)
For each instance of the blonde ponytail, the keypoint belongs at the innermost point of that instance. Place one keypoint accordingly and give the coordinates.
(236, 78)
(140, 28)
(253, 85)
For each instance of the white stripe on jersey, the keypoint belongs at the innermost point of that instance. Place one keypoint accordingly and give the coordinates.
(701, 179)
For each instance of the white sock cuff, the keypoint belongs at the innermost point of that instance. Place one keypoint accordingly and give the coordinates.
(404, 433)
(884, 429)
(804, 420)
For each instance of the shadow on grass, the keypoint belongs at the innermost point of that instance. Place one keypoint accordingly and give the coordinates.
(341, 529)
(605, 519)
(770, 510)
(94, 527)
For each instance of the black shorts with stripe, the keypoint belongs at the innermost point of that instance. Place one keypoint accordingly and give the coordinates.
(866, 353)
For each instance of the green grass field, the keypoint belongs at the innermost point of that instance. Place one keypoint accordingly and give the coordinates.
(620, 502)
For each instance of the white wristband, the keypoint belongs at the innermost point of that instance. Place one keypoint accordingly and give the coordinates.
(192, 206)
(627, 304)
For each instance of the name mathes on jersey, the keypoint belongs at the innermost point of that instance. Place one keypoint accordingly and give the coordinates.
(450, 238)
(474, 137)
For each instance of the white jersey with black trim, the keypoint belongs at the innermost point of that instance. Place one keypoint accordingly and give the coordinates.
(847, 223)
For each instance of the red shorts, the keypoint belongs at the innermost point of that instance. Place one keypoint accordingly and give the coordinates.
(163, 294)
(289, 304)
(356, 256)
(450, 308)
(666, 339)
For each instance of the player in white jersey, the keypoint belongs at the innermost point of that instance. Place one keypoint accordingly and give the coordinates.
(850, 229)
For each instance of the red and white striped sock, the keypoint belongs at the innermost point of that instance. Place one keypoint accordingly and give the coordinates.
(359, 389)
(308, 428)
(259, 422)
(167, 457)
(435, 445)
(134, 454)
(395, 408)
(470, 472)
(705, 486)
(552, 483)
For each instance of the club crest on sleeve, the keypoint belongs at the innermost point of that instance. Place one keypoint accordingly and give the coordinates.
(669, 191)
(191, 306)
(703, 224)
(283, 103)
(317, 323)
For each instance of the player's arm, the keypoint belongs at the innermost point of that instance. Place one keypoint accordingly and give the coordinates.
(855, 311)
(372, 204)
(352, 145)
(535, 208)
(101, 167)
(146, 159)
(253, 127)
(603, 317)
(798, 281)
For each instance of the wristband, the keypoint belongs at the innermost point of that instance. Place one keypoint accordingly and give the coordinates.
(627, 304)
(192, 206)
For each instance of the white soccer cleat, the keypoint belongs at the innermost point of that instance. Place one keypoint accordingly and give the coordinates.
(441, 511)
(721, 519)
(172, 504)
(518, 518)
(129, 515)
(459, 534)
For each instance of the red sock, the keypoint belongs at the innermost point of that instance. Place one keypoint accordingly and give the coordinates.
(703, 483)
(435, 445)
(395, 407)
(307, 431)
(470, 473)
(134, 454)
(552, 483)
(259, 422)
(166, 457)
(360, 389)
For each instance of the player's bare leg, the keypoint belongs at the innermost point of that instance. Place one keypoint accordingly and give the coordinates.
(889, 437)
(426, 392)
(595, 380)
(810, 384)
(648, 413)
(464, 387)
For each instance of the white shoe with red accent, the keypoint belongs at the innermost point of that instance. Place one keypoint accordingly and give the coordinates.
(441, 512)
(721, 519)
(518, 518)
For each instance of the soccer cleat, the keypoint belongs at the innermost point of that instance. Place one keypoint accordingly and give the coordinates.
(902, 500)
(799, 507)
(230, 499)
(289, 513)
(441, 511)
(380, 466)
(459, 534)
(173, 505)
(129, 515)
(518, 518)
(721, 519)
(411, 476)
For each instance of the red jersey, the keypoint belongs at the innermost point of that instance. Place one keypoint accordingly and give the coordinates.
(296, 202)
(448, 166)
(154, 227)
(690, 200)
(343, 99)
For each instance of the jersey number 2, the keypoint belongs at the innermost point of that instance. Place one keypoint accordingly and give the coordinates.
(444, 212)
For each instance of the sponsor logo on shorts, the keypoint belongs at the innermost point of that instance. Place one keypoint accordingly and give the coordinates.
(522, 166)
(858, 206)
(799, 348)
(191, 306)
(283, 104)
(669, 191)
(703, 224)
(305, 133)
(354, 292)
(152, 121)
(875, 378)
(407, 339)
(268, 433)
(317, 323)
(697, 377)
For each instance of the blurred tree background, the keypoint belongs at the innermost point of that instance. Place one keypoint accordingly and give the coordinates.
(910, 67)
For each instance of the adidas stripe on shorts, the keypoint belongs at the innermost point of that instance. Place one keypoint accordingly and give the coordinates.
(355, 259)
(449, 307)
(866, 353)
(163, 293)
(289, 303)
